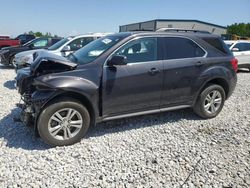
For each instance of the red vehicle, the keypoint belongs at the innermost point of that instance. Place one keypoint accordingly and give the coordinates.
(4, 37)
(6, 42)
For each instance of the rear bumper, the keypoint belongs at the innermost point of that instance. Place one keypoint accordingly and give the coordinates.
(232, 85)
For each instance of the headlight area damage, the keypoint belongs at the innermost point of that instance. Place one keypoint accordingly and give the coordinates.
(34, 91)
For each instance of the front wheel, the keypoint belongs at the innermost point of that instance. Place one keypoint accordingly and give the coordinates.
(12, 62)
(210, 101)
(63, 122)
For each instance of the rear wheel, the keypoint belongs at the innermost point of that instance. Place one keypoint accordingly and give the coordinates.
(63, 122)
(210, 101)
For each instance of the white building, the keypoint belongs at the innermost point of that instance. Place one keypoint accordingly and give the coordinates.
(153, 25)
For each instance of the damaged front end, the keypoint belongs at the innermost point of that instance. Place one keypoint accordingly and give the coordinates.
(34, 92)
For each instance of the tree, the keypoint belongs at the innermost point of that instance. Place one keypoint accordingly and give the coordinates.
(40, 34)
(241, 29)
(31, 33)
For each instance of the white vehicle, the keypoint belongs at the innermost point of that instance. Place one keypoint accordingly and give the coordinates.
(241, 50)
(64, 47)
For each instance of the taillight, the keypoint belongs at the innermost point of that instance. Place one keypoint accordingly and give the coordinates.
(234, 63)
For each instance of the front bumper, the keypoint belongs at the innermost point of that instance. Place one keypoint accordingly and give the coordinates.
(30, 110)
(19, 64)
(33, 104)
(3, 60)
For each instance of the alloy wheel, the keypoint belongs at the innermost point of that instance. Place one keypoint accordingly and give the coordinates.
(213, 102)
(65, 124)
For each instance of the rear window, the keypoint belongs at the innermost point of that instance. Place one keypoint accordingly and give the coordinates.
(218, 44)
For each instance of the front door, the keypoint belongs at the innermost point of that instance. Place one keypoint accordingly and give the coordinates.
(136, 86)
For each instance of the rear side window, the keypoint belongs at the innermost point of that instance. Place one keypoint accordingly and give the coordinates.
(218, 44)
(179, 48)
(79, 43)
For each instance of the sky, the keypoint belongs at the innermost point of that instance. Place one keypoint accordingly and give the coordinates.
(71, 17)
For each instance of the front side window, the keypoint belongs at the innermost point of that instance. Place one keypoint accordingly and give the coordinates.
(247, 47)
(41, 43)
(243, 46)
(179, 48)
(140, 50)
(79, 43)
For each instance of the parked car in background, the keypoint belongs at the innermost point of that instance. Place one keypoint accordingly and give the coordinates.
(7, 54)
(4, 36)
(63, 48)
(24, 38)
(6, 42)
(241, 50)
(124, 75)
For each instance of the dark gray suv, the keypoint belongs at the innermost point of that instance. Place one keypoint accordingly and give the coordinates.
(123, 75)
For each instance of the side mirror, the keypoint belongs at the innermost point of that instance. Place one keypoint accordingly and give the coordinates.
(235, 50)
(117, 60)
(66, 48)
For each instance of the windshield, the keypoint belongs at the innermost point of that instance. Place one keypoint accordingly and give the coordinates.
(59, 44)
(94, 49)
(229, 45)
(32, 41)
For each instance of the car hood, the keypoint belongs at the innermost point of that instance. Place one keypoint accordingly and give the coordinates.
(14, 48)
(27, 53)
(46, 63)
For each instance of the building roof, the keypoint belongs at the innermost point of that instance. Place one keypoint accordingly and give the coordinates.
(178, 20)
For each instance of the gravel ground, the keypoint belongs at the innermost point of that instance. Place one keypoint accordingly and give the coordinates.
(173, 149)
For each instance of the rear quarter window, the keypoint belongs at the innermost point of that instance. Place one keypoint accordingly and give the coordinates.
(218, 44)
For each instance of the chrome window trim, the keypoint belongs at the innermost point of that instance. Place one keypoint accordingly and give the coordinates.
(136, 38)
(139, 37)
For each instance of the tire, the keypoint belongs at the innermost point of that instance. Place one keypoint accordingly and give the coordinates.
(210, 101)
(12, 62)
(53, 129)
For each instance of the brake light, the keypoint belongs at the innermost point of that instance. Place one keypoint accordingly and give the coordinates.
(234, 63)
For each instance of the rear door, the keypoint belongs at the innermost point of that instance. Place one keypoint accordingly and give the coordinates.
(183, 62)
(136, 86)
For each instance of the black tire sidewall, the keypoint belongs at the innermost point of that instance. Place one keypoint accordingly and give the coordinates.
(11, 61)
(49, 110)
(200, 110)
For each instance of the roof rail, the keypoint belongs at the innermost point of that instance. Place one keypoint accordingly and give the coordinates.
(181, 30)
(141, 30)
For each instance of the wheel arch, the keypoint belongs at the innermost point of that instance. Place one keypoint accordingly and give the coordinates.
(70, 95)
(219, 81)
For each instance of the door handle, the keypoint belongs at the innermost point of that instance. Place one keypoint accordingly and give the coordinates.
(153, 71)
(198, 64)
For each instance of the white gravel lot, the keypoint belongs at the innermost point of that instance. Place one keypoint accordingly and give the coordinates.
(173, 149)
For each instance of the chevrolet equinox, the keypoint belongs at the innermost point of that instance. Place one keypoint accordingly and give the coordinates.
(124, 75)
